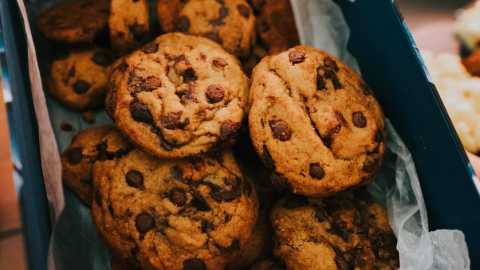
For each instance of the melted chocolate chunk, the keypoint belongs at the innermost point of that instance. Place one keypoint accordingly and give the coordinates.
(176, 173)
(171, 120)
(359, 120)
(296, 57)
(178, 196)
(316, 171)
(280, 130)
(215, 93)
(140, 112)
(228, 130)
(81, 87)
(74, 155)
(199, 202)
(220, 62)
(134, 178)
(222, 14)
(144, 222)
(150, 48)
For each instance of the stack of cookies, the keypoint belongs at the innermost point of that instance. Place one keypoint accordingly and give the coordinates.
(205, 168)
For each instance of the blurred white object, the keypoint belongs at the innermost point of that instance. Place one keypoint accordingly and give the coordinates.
(467, 26)
(460, 93)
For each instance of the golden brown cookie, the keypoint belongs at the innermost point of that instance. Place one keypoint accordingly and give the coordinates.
(276, 25)
(315, 122)
(75, 21)
(99, 143)
(347, 231)
(230, 23)
(128, 25)
(174, 214)
(179, 96)
(78, 77)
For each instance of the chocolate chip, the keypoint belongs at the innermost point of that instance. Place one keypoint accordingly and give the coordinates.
(228, 130)
(150, 48)
(329, 62)
(189, 76)
(316, 171)
(123, 67)
(220, 196)
(359, 120)
(199, 202)
(139, 31)
(215, 93)
(320, 82)
(369, 167)
(180, 58)
(279, 181)
(144, 222)
(183, 24)
(134, 178)
(102, 58)
(151, 83)
(66, 127)
(176, 173)
(280, 130)
(178, 196)
(296, 57)
(223, 12)
(190, 93)
(244, 11)
(98, 198)
(321, 215)
(341, 263)
(194, 264)
(207, 226)
(213, 37)
(220, 62)
(81, 87)
(74, 156)
(171, 120)
(294, 201)
(140, 112)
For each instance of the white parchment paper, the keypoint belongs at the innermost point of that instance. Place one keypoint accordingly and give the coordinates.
(76, 244)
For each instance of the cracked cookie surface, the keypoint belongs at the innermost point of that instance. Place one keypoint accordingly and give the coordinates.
(75, 21)
(346, 231)
(89, 146)
(178, 96)
(229, 23)
(78, 77)
(315, 122)
(173, 214)
(128, 25)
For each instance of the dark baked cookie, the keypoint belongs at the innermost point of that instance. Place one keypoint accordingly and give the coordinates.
(178, 96)
(173, 214)
(230, 23)
(269, 264)
(276, 25)
(315, 122)
(75, 21)
(128, 25)
(99, 143)
(347, 231)
(78, 77)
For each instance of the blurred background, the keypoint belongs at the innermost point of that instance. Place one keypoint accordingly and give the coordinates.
(430, 22)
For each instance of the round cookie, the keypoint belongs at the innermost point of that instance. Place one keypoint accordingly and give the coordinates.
(315, 122)
(269, 264)
(78, 77)
(276, 25)
(128, 25)
(347, 231)
(230, 23)
(173, 214)
(75, 21)
(90, 145)
(179, 96)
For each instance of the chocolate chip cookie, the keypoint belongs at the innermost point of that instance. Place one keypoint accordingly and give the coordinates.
(276, 24)
(99, 143)
(178, 96)
(128, 25)
(315, 122)
(269, 264)
(347, 231)
(230, 23)
(173, 214)
(78, 77)
(75, 21)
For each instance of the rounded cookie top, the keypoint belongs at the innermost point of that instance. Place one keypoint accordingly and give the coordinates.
(315, 122)
(78, 77)
(173, 214)
(347, 231)
(90, 145)
(230, 23)
(128, 25)
(178, 96)
(75, 21)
